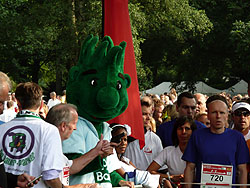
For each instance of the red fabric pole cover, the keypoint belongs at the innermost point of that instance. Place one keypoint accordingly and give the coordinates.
(117, 26)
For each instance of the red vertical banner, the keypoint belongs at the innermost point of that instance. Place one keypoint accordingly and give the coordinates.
(117, 26)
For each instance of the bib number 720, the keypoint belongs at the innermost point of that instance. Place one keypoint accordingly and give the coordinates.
(216, 178)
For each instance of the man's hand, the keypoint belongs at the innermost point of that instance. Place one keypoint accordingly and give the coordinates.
(107, 148)
(177, 178)
(24, 179)
(126, 183)
(167, 184)
(99, 145)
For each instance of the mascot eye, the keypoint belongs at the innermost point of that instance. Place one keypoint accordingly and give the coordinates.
(93, 82)
(119, 85)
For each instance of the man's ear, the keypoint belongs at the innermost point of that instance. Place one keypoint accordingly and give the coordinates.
(19, 105)
(62, 126)
(128, 80)
(41, 105)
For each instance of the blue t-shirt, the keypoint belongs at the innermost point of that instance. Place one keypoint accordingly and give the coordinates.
(165, 132)
(228, 148)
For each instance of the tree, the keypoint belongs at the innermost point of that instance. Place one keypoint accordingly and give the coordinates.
(38, 40)
(173, 28)
(240, 40)
(217, 52)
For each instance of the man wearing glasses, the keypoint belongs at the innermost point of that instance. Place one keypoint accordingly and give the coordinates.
(241, 118)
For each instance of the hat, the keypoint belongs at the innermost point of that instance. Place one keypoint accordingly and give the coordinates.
(245, 105)
(127, 127)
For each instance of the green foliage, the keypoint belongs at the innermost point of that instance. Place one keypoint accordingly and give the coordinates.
(240, 38)
(217, 51)
(37, 36)
(173, 28)
(138, 25)
(184, 40)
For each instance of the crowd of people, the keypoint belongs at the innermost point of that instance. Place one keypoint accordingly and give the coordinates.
(190, 140)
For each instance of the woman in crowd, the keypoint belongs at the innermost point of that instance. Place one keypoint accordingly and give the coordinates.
(171, 155)
(130, 172)
(169, 113)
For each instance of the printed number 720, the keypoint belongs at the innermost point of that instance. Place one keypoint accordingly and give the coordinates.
(216, 178)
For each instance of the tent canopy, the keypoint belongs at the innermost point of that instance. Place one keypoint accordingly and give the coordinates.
(201, 87)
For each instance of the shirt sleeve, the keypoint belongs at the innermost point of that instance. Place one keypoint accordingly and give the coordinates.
(52, 151)
(190, 154)
(50, 174)
(242, 154)
(162, 157)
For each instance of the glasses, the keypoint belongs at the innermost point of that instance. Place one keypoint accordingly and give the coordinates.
(244, 113)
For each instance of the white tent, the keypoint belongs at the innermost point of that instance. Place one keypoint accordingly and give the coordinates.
(159, 89)
(205, 89)
(241, 87)
(201, 87)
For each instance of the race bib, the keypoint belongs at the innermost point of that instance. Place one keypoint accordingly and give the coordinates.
(214, 175)
(65, 176)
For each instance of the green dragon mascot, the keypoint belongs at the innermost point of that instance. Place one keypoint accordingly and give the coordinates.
(98, 86)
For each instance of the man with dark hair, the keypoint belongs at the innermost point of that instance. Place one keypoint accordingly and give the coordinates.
(216, 154)
(13, 180)
(30, 144)
(186, 105)
(141, 158)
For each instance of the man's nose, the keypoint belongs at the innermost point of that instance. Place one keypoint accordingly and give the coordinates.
(190, 110)
(218, 114)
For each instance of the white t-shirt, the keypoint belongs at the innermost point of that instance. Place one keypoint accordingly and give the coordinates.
(140, 176)
(8, 115)
(142, 158)
(126, 166)
(30, 145)
(52, 103)
(171, 156)
(64, 175)
(247, 136)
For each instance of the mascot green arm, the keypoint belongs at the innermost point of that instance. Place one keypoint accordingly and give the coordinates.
(115, 179)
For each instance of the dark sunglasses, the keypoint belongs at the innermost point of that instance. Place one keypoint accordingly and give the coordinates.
(240, 113)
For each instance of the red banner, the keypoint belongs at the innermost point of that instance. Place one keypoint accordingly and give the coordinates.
(117, 26)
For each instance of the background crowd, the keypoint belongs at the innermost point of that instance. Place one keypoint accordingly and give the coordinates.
(173, 125)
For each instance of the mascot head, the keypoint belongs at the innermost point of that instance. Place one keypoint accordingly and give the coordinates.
(97, 85)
